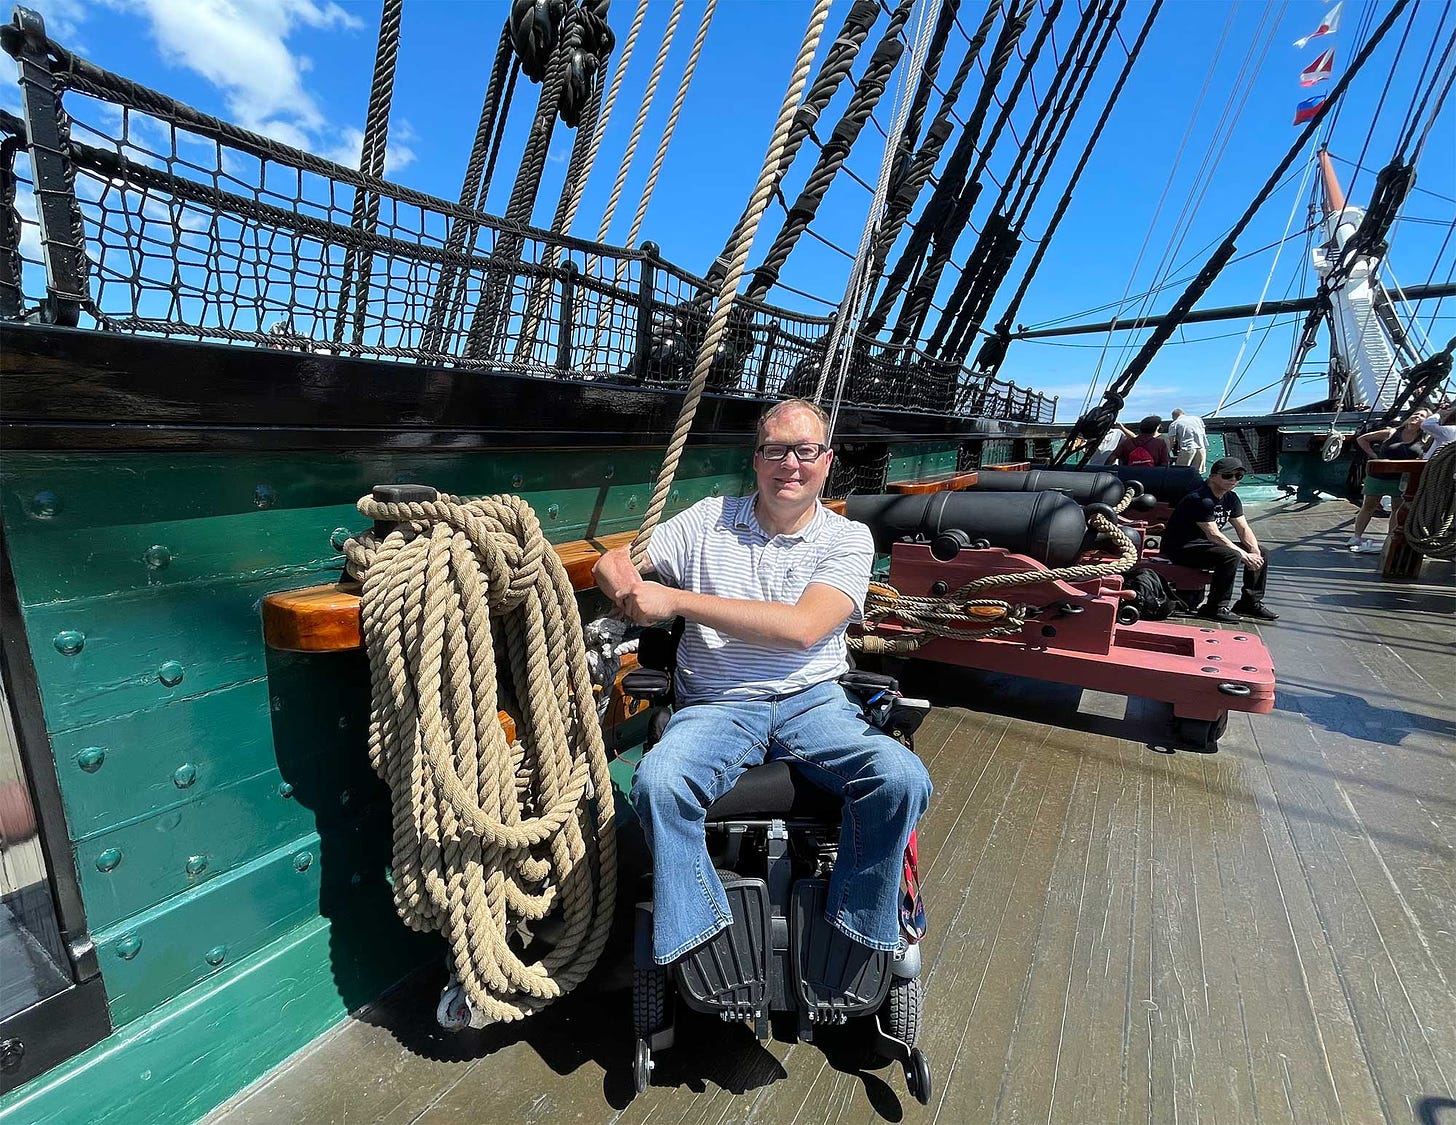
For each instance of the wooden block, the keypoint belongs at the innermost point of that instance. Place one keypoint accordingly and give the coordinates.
(317, 619)
(941, 482)
(836, 506)
(580, 555)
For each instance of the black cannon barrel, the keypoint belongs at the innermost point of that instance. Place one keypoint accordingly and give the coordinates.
(1084, 488)
(1169, 484)
(1048, 526)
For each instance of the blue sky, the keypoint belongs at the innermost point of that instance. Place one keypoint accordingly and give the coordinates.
(300, 70)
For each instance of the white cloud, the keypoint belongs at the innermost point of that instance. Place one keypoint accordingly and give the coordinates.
(241, 47)
(63, 19)
(397, 154)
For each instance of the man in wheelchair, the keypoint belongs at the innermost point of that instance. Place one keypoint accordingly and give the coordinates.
(766, 585)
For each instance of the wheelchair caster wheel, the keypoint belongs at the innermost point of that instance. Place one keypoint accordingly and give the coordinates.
(1201, 734)
(642, 1066)
(917, 1076)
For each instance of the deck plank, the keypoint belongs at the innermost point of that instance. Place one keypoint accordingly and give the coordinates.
(1119, 933)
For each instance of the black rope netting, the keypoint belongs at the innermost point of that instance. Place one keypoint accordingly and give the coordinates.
(189, 227)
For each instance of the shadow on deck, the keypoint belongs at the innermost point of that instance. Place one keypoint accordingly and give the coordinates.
(1119, 931)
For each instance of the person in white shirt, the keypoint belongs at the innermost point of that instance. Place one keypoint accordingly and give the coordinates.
(1442, 428)
(1189, 440)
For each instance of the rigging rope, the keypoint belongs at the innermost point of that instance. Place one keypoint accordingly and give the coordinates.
(916, 305)
(835, 151)
(856, 291)
(365, 216)
(837, 65)
(1093, 426)
(488, 836)
(737, 260)
(651, 92)
(667, 130)
(993, 352)
(479, 168)
(921, 167)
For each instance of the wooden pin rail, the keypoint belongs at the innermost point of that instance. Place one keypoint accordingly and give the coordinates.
(940, 482)
(326, 618)
(1007, 467)
(1399, 559)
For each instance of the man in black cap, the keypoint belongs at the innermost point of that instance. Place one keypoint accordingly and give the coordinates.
(1196, 536)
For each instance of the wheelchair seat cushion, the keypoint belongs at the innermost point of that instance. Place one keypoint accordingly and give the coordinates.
(775, 790)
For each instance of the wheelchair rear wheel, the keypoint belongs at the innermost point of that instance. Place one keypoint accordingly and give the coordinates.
(649, 1017)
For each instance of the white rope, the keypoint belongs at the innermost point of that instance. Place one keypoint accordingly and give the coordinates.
(856, 290)
(667, 130)
(637, 126)
(1228, 387)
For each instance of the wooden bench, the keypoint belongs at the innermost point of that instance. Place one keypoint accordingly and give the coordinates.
(940, 482)
(1008, 467)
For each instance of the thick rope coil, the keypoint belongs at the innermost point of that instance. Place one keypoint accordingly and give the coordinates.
(1430, 523)
(962, 614)
(488, 836)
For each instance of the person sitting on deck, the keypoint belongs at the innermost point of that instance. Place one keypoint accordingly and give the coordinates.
(1196, 537)
(1405, 442)
(767, 584)
(1146, 449)
(1189, 440)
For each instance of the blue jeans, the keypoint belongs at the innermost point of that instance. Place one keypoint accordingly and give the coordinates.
(705, 749)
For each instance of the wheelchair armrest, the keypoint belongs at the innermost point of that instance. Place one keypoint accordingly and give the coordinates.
(649, 684)
(867, 684)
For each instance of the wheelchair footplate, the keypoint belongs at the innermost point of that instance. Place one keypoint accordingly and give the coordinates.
(728, 975)
(835, 977)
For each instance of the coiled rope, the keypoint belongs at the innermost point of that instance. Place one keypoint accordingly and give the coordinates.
(963, 614)
(1430, 523)
(488, 836)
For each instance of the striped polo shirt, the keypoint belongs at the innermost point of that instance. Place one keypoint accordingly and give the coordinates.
(717, 547)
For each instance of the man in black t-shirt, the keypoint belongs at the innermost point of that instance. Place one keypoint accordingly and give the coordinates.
(1196, 536)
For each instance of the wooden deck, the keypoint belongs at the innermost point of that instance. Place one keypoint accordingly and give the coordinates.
(1119, 933)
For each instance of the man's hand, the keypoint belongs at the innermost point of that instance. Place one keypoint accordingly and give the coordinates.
(615, 574)
(647, 603)
(1252, 559)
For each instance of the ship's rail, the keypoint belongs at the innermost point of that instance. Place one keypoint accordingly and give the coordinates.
(124, 210)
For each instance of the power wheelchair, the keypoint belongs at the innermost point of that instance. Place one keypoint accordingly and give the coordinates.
(773, 839)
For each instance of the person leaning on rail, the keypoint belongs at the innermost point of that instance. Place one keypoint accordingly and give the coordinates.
(1405, 442)
(767, 584)
(1196, 536)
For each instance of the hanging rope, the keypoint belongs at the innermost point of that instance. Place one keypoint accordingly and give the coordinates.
(365, 216)
(494, 111)
(768, 181)
(488, 835)
(1094, 424)
(993, 352)
(840, 346)
(667, 130)
(1430, 522)
(835, 151)
(838, 62)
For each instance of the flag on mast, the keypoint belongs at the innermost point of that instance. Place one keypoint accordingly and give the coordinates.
(1328, 26)
(1308, 108)
(1319, 70)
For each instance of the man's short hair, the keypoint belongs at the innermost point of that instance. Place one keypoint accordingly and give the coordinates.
(1150, 425)
(787, 405)
(1177, 412)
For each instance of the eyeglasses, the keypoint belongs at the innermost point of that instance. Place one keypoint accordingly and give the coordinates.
(806, 452)
(1237, 474)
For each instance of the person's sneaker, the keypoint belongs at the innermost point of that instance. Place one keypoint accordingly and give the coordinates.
(1366, 546)
(1219, 614)
(1247, 608)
